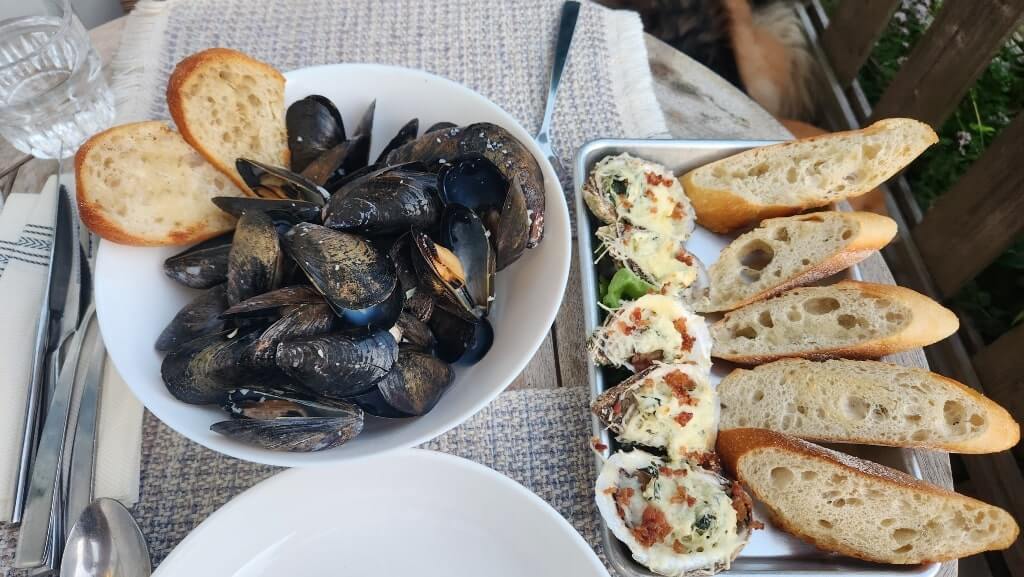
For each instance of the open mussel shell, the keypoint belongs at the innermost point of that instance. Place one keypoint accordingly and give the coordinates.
(337, 365)
(291, 211)
(255, 262)
(405, 134)
(420, 305)
(314, 127)
(458, 339)
(203, 265)
(385, 203)
(416, 383)
(441, 275)
(269, 302)
(414, 333)
(497, 145)
(464, 234)
(440, 126)
(305, 320)
(279, 420)
(202, 370)
(382, 315)
(199, 317)
(511, 230)
(268, 181)
(400, 255)
(350, 272)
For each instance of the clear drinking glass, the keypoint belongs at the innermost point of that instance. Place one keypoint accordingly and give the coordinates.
(53, 95)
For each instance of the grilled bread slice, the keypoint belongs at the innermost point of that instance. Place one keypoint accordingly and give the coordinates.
(858, 508)
(848, 319)
(791, 251)
(142, 184)
(230, 106)
(844, 401)
(791, 177)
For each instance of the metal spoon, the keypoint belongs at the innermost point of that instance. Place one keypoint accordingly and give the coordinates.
(566, 28)
(105, 541)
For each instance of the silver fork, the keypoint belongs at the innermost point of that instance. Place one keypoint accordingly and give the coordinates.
(566, 28)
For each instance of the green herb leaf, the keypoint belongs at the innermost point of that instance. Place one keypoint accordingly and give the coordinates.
(624, 286)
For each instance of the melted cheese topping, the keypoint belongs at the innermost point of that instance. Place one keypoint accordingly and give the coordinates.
(646, 194)
(655, 326)
(659, 257)
(671, 409)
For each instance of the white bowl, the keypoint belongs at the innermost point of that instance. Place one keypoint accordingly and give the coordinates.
(134, 300)
(412, 512)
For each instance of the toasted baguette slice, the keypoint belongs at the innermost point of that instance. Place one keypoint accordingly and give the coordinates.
(848, 319)
(230, 106)
(858, 508)
(142, 184)
(791, 251)
(869, 402)
(788, 178)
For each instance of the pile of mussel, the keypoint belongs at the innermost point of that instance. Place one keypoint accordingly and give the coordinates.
(349, 288)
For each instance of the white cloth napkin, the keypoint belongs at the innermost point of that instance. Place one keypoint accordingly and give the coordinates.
(26, 230)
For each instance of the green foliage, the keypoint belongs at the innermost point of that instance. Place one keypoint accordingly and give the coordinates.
(995, 299)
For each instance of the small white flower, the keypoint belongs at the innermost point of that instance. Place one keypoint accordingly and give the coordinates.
(900, 17)
(963, 138)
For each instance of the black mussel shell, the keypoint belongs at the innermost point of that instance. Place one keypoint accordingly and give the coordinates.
(374, 403)
(441, 274)
(337, 365)
(314, 126)
(510, 228)
(272, 403)
(270, 301)
(414, 333)
(382, 315)
(303, 320)
(440, 126)
(290, 211)
(203, 370)
(281, 422)
(458, 339)
(405, 134)
(199, 317)
(340, 178)
(463, 233)
(474, 182)
(255, 264)
(328, 168)
(350, 272)
(416, 382)
(400, 255)
(267, 181)
(203, 265)
(387, 203)
(420, 305)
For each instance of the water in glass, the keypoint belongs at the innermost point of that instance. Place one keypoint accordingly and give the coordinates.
(53, 95)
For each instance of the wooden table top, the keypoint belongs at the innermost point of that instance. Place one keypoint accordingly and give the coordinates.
(698, 104)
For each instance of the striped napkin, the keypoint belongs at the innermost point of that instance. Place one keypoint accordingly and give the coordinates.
(26, 231)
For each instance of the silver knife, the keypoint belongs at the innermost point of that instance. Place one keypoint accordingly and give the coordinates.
(57, 277)
(65, 303)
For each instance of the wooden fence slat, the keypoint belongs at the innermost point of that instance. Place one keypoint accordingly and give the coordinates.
(1000, 366)
(974, 222)
(946, 61)
(852, 32)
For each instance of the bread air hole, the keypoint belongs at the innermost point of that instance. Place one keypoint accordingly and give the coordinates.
(856, 408)
(953, 412)
(887, 522)
(903, 535)
(847, 233)
(848, 321)
(765, 319)
(894, 317)
(793, 315)
(824, 523)
(782, 234)
(976, 420)
(870, 151)
(757, 396)
(781, 477)
(904, 549)
(758, 169)
(821, 305)
(746, 332)
(792, 175)
(808, 475)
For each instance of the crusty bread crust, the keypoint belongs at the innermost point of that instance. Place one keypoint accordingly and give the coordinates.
(735, 444)
(176, 101)
(930, 323)
(95, 217)
(1001, 434)
(721, 210)
(874, 232)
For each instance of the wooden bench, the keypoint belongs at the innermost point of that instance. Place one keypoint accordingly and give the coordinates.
(982, 214)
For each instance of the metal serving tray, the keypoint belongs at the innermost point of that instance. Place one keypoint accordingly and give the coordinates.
(770, 551)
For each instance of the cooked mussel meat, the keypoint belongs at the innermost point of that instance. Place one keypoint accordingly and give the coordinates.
(442, 275)
(290, 211)
(405, 134)
(255, 263)
(203, 265)
(464, 234)
(267, 181)
(459, 339)
(314, 127)
(337, 365)
(279, 420)
(511, 156)
(202, 370)
(385, 203)
(199, 317)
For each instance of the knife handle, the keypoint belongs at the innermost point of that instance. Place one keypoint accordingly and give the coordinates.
(32, 411)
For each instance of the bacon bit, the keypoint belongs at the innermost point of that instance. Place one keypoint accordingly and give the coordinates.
(681, 497)
(636, 316)
(641, 361)
(666, 472)
(649, 194)
(684, 257)
(680, 383)
(617, 408)
(705, 460)
(653, 527)
(610, 490)
(626, 329)
(678, 548)
(598, 445)
(742, 504)
(621, 498)
(683, 418)
(680, 325)
(656, 179)
(678, 212)
(626, 204)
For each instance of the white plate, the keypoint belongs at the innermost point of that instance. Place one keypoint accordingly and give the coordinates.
(407, 513)
(134, 300)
